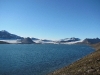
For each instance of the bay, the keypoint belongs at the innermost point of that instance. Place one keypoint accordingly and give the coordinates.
(38, 59)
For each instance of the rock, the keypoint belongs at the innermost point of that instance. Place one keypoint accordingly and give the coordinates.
(98, 70)
(91, 70)
(84, 68)
(98, 59)
(79, 70)
(90, 60)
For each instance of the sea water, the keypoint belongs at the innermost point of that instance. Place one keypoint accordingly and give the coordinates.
(38, 59)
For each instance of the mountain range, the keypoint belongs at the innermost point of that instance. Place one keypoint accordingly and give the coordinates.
(5, 36)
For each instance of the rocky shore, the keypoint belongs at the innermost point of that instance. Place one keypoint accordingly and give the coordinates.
(89, 65)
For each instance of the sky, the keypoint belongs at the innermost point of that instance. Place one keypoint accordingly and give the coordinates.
(51, 19)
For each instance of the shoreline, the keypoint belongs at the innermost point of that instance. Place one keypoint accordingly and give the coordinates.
(88, 65)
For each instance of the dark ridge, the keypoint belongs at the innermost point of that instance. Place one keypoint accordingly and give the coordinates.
(2, 42)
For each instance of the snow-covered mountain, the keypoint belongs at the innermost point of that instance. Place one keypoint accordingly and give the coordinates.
(12, 38)
(34, 38)
(73, 39)
(44, 41)
(6, 35)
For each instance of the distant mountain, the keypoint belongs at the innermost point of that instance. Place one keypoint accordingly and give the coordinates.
(27, 41)
(6, 35)
(45, 40)
(91, 41)
(35, 38)
(73, 39)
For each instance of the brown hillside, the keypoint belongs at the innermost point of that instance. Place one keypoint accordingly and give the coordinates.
(89, 65)
(96, 46)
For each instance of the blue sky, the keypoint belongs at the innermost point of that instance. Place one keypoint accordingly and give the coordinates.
(51, 19)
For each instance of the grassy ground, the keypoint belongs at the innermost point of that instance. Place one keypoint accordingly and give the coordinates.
(89, 65)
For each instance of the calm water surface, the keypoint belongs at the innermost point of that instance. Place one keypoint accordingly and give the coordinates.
(38, 59)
